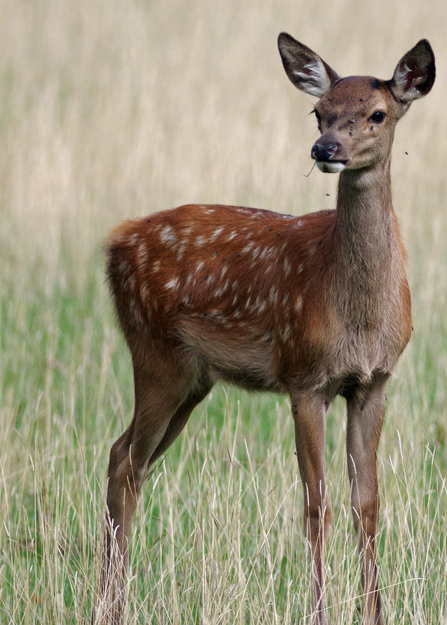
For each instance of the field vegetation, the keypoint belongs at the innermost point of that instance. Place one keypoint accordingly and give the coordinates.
(111, 109)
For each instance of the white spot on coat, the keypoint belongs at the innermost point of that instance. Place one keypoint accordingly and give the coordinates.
(143, 253)
(145, 292)
(267, 252)
(172, 284)
(168, 236)
(201, 240)
(217, 232)
(181, 251)
(247, 248)
(299, 303)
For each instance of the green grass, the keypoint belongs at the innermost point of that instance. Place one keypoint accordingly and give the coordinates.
(111, 110)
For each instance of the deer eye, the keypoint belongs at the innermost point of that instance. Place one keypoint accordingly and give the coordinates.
(317, 115)
(378, 117)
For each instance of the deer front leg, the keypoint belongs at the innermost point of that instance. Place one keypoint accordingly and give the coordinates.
(309, 414)
(366, 411)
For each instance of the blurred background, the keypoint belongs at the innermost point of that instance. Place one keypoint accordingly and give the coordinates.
(111, 109)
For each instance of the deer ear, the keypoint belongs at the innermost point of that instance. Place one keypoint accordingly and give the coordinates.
(305, 69)
(415, 73)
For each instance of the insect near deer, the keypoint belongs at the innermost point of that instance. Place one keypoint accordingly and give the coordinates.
(313, 306)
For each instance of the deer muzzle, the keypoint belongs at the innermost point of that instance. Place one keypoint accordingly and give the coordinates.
(325, 155)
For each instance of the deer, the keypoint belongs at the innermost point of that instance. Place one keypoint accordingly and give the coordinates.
(312, 306)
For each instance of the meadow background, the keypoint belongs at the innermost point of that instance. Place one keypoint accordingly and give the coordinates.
(111, 109)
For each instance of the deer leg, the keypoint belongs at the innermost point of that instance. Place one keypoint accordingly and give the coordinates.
(309, 415)
(160, 393)
(366, 412)
(180, 418)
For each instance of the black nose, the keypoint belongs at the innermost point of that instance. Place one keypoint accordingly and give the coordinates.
(324, 153)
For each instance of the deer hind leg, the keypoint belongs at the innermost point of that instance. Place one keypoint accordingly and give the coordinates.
(166, 391)
(181, 416)
(309, 415)
(366, 411)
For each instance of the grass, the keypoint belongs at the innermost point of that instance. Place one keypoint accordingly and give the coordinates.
(117, 109)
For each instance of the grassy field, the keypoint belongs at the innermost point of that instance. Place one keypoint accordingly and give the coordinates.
(111, 109)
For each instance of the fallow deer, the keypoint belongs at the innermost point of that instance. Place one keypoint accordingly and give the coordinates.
(313, 306)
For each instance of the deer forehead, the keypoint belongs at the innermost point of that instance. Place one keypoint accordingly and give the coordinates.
(356, 95)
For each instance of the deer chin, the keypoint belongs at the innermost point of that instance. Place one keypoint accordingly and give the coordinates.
(331, 167)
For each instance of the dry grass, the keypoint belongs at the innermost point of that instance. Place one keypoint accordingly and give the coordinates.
(111, 109)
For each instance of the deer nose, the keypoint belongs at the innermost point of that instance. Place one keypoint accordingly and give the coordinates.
(325, 152)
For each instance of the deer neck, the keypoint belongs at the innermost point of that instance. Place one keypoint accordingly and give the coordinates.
(365, 217)
(365, 243)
